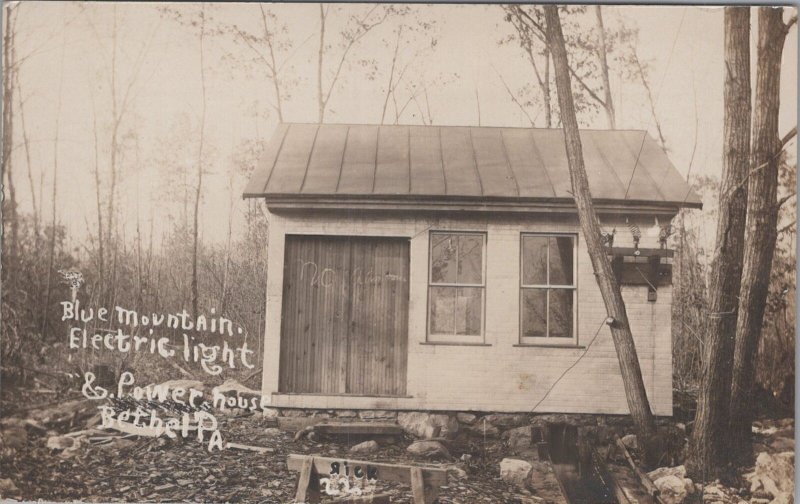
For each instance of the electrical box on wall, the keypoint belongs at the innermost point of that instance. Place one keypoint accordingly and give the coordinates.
(642, 267)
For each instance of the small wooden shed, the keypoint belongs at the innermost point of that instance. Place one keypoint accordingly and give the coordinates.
(442, 268)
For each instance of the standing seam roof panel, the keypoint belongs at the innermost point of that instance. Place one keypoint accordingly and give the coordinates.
(603, 181)
(328, 151)
(266, 163)
(426, 161)
(526, 164)
(290, 167)
(624, 164)
(495, 174)
(463, 162)
(550, 144)
(358, 164)
(391, 170)
(459, 164)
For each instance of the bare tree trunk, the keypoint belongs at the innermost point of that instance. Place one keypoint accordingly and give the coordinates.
(548, 106)
(8, 136)
(196, 230)
(390, 86)
(226, 271)
(609, 288)
(320, 57)
(708, 453)
(27, 144)
(116, 117)
(602, 55)
(273, 65)
(762, 222)
(98, 200)
(646, 84)
(54, 224)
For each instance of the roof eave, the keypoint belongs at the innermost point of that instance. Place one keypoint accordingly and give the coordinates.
(472, 203)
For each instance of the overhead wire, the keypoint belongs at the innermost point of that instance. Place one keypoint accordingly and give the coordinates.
(564, 373)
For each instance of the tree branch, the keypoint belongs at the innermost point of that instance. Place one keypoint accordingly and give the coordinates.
(513, 98)
(787, 227)
(785, 140)
(541, 36)
(786, 198)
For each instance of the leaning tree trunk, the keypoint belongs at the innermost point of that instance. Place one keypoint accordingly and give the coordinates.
(602, 56)
(708, 452)
(609, 288)
(762, 222)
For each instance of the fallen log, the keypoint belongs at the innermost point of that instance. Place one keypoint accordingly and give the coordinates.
(644, 479)
(257, 449)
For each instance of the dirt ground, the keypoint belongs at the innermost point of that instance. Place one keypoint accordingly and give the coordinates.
(164, 470)
(107, 466)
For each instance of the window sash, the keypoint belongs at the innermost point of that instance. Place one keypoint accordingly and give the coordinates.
(455, 320)
(454, 336)
(547, 338)
(457, 284)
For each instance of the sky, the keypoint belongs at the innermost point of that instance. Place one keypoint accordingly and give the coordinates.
(65, 87)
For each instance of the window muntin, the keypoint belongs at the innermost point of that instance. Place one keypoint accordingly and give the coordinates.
(547, 288)
(456, 286)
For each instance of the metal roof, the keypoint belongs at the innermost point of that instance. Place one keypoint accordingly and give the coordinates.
(471, 165)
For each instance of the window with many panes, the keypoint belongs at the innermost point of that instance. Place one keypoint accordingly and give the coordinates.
(547, 288)
(456, 287)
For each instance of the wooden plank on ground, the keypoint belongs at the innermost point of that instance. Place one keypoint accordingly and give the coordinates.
(359, 428)
(433, 476)
(294, 424)
(257, 449)
(417, 485)
(307, 482)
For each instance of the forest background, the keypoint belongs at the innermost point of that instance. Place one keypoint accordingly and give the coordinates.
(129, 131)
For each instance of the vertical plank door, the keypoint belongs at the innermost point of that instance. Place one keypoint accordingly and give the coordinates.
(379, 317)
(345, 315)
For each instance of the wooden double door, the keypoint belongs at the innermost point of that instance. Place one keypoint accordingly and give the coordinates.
(344, 326)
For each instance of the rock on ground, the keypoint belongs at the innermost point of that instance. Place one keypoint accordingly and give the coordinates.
(679, 471)
(519, 439)
(293, 413)
(13, 435)
(673, 489)
(516, 472)
(428, 449)
(631, 442)
(773, 473)
(61, 442)
(782, 444)
(377, 415)
(783, 498)
(233, 387)
(466, 418)
(7, 488)
(365, 447)
(506, 420)
(455, 472)
(427, 425)
(715, 493)
(482, 428)
(270, 412)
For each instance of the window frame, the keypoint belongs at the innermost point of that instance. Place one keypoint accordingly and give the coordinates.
(548, 340)
(447, 338)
